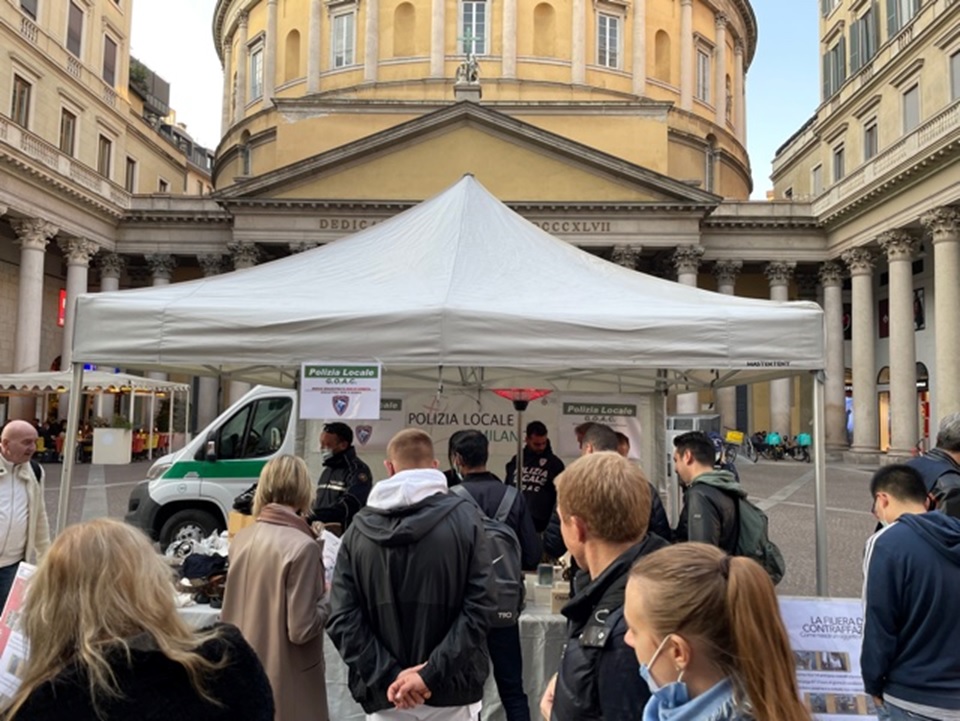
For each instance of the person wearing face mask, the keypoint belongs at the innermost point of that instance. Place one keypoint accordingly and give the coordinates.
(911, 583)
(707, 633)
(452, 475)
(346, 480)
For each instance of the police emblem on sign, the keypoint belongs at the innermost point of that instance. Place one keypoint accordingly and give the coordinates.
(340, 404)
(363, 434)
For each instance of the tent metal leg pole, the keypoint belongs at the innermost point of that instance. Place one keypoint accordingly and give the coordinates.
(186, 420)
(170, 397)
(820, 475)
(70, 445)
(151, 424)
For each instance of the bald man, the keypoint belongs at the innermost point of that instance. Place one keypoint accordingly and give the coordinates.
(24, 529)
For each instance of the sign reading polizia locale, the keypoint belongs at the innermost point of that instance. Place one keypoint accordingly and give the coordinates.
(329, 391)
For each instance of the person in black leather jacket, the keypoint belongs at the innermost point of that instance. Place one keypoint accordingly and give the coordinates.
(604, 504)
(412, 594)
(346, 480)
(710, 496)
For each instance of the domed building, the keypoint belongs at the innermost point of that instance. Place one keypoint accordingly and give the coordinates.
(656, 84)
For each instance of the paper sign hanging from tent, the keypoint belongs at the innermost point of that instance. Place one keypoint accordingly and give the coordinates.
(340, 390)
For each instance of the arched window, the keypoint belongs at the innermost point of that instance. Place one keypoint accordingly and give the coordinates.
(291, 65)
(662, 68)
(246, 164)
(404, 31)
(883, 377)
(544, 31)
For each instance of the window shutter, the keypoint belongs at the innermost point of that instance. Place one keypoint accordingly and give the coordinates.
(826, 75)
(855, 46)
(842, 61)
(892, 24)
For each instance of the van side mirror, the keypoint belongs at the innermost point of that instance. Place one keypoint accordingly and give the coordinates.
(211, 450)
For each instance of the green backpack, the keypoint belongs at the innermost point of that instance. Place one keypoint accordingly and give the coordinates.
(753, 540)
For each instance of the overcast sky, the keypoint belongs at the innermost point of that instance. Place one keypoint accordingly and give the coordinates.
(175, 39)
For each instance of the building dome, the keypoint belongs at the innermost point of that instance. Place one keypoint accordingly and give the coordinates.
(659, 83)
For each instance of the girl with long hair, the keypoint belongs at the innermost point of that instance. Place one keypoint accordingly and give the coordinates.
(707, 632)
(106, 641)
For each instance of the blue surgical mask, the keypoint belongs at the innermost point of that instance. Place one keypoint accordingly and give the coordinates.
(670, 695)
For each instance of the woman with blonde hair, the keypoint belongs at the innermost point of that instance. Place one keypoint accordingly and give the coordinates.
(707, 632)
(106, 641)
(275, 590)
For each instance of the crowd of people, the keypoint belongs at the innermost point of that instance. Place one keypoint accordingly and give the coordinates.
(662, 623)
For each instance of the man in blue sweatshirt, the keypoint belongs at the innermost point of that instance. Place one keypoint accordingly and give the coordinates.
(910, 659)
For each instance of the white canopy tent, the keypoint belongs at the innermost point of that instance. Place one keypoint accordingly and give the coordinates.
(457, 290)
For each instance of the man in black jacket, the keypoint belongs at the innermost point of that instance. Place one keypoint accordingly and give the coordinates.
(540, 468)
(470, 454)
(412, 592)
(940, 467)
(346, 480)
(710, 496)
(604, 504)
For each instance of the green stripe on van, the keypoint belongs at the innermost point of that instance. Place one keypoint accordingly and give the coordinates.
(216, 469)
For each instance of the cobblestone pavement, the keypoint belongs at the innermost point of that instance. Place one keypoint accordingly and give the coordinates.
(785, 489)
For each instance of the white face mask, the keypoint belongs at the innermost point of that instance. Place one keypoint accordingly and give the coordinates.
(326, 454)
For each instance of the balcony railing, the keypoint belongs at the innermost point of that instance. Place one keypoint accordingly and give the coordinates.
(57, 163)
(905, 152)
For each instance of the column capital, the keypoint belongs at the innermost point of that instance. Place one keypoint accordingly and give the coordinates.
(721, 21)
(831, 274)
(899, 245)
(245, 255)
(210, 263)
(242, 19)
(300, 246)
(859, 260)
(686, 2)
(780, 272)
(111, 265)
(738, 48)
(78, 251)
(161, 265)
(943, 224)
(686, 259)
(34, 233)
(626, 255)
(727, 271)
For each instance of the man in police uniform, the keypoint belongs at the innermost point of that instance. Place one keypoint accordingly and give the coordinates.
(346, 480)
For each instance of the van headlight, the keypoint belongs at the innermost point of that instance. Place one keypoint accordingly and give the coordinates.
(157, 470)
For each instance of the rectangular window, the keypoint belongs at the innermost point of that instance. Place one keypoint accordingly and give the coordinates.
(343, 40)
(109, 61)
(816, 180)
(20, 108)
(899, 13)
(29, 7)
(104, 156)
(870, 141)
(68, 131)
(256, 72)
(474, 27)
(703, 76)
(955, 76)
(75, 30)
(163, 186)
(608, 41)
(834, 68)
(863, 38)
(911, 109)
(130, 177)
(827, 6)
(838, 164)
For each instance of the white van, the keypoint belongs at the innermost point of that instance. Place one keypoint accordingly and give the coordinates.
(190, 492)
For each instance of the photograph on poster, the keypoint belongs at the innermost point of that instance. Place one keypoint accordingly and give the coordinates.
(833, 661)
(806, 660)
(827, 705)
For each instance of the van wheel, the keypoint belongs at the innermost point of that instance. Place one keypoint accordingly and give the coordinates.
(188, 524)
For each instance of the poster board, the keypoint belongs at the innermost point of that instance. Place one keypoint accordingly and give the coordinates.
(340, 390)
(13, 644)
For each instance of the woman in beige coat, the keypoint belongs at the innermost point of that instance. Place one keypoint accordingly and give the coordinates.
(275, 591)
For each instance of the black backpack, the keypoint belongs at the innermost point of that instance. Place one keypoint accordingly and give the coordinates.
(37, 470)
(505, 557)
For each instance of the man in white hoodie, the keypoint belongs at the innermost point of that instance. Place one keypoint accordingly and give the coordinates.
(412, 594)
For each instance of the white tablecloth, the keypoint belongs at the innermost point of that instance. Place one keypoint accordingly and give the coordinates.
(542, 635)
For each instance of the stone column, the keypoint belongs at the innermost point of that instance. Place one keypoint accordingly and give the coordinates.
(831, 280)
(245, 255)
(208, 387)
(578, 71)
(626, 255)
(509, 50)
(161, 268)
(111, 268)
(437, 45)
(78, 252)
(313, 54)
(943, 224)
(779, 275)
(720, 71)
(32, 235)
(901, 248)
(726, 272)
(371, 43)
(866, 429)
(739, 94)
(686, 55)
(639, 47)
(686, 261)
(226, 119)
(270, 45)
(243, 60)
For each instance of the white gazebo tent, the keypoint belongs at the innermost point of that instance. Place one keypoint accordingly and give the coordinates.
(458, 290)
